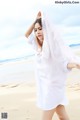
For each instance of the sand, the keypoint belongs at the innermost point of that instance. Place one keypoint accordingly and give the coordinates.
(18, 98)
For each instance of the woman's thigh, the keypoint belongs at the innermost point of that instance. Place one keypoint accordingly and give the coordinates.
(61, 112)
(48, 114)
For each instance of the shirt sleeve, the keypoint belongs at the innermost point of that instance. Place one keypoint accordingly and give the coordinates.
(31, 41)
(64, 64)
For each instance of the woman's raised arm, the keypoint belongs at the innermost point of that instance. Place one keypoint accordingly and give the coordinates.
(30, 29)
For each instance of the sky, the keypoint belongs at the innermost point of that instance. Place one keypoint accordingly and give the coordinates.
(17, 15)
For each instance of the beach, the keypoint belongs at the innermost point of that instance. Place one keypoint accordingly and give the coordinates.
(18, 92)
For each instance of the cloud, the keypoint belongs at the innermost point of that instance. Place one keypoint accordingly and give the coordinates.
(59, 13)
(16, 48)
(70, 34)
(17, 15)
(72, 20)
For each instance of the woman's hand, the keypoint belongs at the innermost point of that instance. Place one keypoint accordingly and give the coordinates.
(39, 15)
(73, 65)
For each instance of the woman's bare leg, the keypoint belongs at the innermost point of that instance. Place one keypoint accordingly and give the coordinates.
(48, 114)
(61, 112)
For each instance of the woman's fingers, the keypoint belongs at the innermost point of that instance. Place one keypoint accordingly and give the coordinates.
(39, 15)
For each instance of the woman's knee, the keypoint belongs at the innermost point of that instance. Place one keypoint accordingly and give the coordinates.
(63, 118)
(61, 112)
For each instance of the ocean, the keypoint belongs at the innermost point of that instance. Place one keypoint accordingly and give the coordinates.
(16, 59)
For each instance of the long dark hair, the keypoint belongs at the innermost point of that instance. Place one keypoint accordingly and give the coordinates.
(40, 23)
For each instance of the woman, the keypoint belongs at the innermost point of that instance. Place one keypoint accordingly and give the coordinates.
(52, 66)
